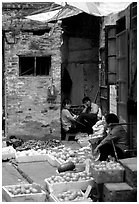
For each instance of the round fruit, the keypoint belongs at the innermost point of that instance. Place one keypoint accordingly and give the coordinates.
(68, 179)
(27, 191)
(14, 192)
(10, 189)
(26, 186)
(18, 191)
(66, 199)
(22, 190)
(34, 190)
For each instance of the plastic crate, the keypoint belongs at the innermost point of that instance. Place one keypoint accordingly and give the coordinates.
(53, 161)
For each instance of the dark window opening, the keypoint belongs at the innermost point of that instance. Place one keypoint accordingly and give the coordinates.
(37, 32)
(34, 66)
(40, 32)
(121, 25)
(26, 65)
(43, 65)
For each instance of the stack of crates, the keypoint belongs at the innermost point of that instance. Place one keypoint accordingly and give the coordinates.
(125, 191)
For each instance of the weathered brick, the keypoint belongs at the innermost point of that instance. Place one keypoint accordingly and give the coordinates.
(30, 92)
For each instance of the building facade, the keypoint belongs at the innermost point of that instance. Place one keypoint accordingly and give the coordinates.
(32, 75)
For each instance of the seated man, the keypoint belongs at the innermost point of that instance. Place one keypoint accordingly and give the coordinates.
(116, 140)
(90, 107)
(90, 114)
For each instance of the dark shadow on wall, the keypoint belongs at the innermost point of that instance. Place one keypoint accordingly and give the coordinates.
(66, 83)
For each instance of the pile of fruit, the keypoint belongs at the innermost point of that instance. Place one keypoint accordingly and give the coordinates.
(64, 154)
(84, 150)
(39, 144)
(31, 152)
(71, 195)
(105, 166)
(69, 177)
(69, 155)
(23, 189)
(76, 156)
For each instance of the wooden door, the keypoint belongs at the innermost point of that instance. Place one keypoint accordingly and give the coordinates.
(111, 53)
(108, 71)
(104, 90)
(111, 66)
(122, 74)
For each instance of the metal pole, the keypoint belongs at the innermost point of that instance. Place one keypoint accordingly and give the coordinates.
(113, 124)
(116, 156)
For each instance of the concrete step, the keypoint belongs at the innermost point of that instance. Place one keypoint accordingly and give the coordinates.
(130, 165)
(119, 192)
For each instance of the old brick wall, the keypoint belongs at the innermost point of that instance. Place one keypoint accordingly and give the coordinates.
(27, 109)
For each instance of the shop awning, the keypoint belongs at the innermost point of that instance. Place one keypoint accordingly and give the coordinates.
(69, 9)
(46, 16)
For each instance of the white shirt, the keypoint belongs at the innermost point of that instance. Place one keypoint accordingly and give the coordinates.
(67, 119)
(96, 110)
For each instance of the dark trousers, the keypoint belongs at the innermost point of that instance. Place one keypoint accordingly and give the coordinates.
(72, 129)
(88, 120)
(107, 149)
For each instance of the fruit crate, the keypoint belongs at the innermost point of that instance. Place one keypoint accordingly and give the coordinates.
(65, 186)
(57, 162)
(8, 153)
(108, 176)
(80, 166)
(30, 158)
(52, 160)
(39, 196)
(54, 196)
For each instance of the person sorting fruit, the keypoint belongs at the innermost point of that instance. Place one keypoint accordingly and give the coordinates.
(90, 115)
(115, 142)
(68, 118)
